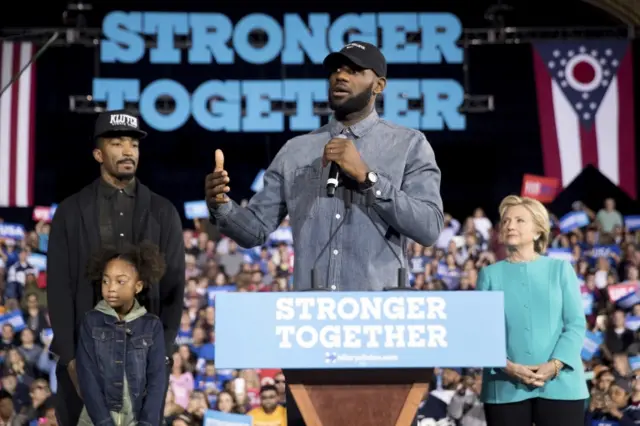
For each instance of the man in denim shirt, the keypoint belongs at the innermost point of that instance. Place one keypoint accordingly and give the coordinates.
(390, 187)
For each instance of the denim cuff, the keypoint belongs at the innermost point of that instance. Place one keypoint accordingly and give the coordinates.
(221, 211)
(383, 188)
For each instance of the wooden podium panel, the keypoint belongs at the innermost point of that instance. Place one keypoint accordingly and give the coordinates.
(373, 397)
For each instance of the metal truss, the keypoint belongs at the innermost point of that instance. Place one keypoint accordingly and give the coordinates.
(515, 35)
(90, 37)
(83, 104)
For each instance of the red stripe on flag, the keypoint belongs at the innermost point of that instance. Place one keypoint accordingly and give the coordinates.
(15, 96)
(589, 144)
(626, 125)
(17, 126)
(32, 133)
(548, 131)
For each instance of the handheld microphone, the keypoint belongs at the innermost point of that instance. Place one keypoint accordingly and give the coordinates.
(334, 174)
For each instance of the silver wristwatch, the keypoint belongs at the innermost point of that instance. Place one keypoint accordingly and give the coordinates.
(370, 179)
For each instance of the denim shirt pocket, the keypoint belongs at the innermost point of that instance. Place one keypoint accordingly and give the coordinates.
(104, 342)
(304, 200)
(139, 347)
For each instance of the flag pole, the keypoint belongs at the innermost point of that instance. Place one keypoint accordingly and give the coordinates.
(39, 53)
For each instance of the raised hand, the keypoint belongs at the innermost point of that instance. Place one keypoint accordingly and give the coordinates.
(345, 154)
(216, 183)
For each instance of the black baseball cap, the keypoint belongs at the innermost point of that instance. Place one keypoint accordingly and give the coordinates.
(365, 55)
(118, 122)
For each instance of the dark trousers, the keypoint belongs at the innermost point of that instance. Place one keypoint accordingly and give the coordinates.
(68, 403)
(538, 411)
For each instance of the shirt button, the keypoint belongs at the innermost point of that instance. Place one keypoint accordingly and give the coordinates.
(338, 216)
(526, 306)
(378, 193)
(122, 235)
(121, 214)
(335, 252)
(121, 191)
(333, 287)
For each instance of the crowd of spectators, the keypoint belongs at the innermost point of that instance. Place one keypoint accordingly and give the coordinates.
(605, 254)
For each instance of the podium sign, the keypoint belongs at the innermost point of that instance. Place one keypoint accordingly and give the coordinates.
(360, 330)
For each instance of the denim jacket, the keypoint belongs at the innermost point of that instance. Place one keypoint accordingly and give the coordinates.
(121, 367)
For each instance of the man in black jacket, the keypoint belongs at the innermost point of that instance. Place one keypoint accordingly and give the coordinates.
(114, 210)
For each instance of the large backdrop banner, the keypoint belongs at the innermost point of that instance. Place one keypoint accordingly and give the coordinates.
(283, 99)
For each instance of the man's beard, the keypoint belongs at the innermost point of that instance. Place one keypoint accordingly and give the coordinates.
(354, 104)
(125, 176)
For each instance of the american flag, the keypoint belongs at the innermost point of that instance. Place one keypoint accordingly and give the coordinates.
(585, 104)
(17, 125)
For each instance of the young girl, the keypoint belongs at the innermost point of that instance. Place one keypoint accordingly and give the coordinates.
(120, 360)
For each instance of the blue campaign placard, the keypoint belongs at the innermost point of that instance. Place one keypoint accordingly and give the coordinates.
(196, 210)
(12, 230)
(360, 330)
(217, 418)
(15, 319)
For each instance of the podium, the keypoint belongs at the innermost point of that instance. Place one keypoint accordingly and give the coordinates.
(359, 357)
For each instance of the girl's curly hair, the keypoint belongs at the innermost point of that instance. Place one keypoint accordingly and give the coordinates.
(145, 257)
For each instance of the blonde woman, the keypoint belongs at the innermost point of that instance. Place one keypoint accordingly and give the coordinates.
(543, 382)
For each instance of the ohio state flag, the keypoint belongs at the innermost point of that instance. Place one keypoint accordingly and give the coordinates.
(585, 105)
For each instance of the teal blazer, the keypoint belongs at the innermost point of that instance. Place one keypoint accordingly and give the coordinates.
(544, 320)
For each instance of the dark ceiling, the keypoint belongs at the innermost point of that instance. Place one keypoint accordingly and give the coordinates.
(524, 12)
